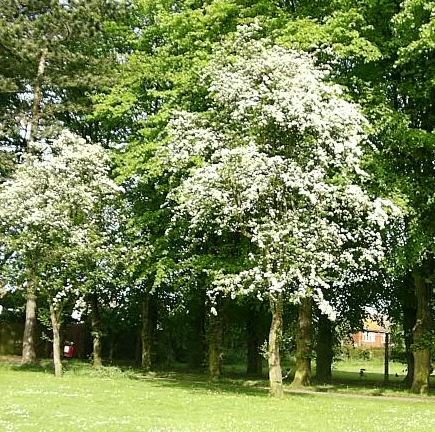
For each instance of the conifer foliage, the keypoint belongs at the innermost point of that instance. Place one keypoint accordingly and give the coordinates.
(52, 52)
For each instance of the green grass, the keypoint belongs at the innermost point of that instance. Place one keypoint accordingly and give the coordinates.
(347, 378)
(111, 399)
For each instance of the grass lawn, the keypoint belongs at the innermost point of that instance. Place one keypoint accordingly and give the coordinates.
(34, 400)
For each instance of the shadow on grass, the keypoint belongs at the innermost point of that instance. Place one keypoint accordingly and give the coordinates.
(371, 384)
(218, 388)
(230, 383)
(32, 368)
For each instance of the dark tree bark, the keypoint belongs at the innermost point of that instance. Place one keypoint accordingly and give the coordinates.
(197, 343)
(96, 332)
(420, 384)
(215, 343)
(55, 323)
(147, 332)
(275, 340)
(253, 341)
(138, 347)
(409, 308)
(324, 349)
(303, 344)
(112, 345)
(29, 353)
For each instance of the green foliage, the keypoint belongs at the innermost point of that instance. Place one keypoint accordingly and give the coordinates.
(53, 55)
(118, 72)
(425, 340)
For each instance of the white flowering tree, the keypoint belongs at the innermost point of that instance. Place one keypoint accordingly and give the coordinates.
(276, 159)
(56, 213)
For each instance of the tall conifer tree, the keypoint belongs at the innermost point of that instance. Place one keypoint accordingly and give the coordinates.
(53, 54)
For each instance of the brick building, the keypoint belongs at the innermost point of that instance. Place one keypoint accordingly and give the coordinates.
(372, 335)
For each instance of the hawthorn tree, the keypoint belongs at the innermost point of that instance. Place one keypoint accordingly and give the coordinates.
(382, 51)
(56, 213)
(174, 44)
(276, 160)
(55, 55)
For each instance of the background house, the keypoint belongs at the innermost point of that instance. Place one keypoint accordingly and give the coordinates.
(372, 335)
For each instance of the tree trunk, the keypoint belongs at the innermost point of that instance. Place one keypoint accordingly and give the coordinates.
(275, 339)
(254, 358)
(196, 342)
(29, 354)
(138, 347)
(111, 349)
(153, 328)
(146, 333)
(409, 320)
(387, 357)
(324, 349)
(215, 344)
(55, 323)
(96, 332)
(420, 384)
(303, 344)
(37, 97)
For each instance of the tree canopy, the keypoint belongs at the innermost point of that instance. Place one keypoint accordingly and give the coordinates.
(278, 151)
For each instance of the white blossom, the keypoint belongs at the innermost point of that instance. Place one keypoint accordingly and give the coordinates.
(274, 160)
(55, 209)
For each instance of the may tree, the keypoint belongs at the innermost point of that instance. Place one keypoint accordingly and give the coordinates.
(55, 55)
(275, 160)
(56, 214)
